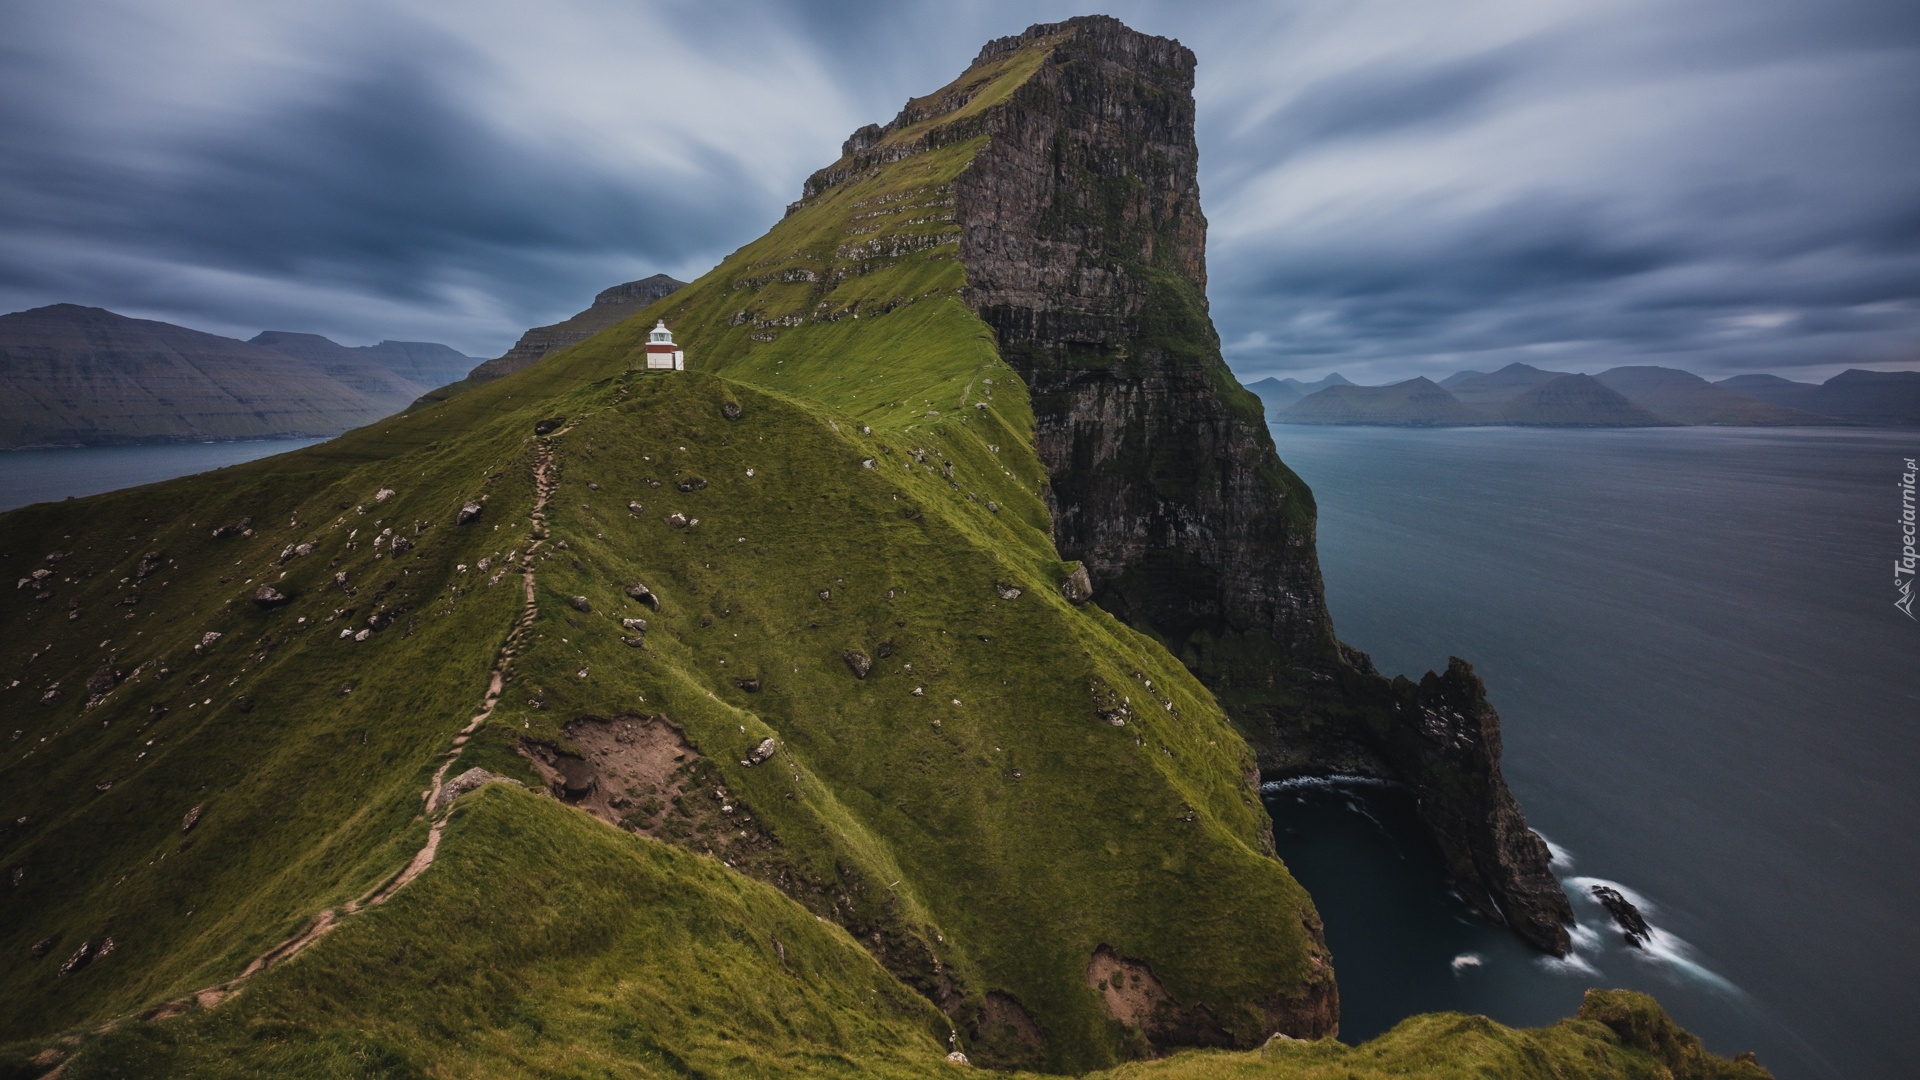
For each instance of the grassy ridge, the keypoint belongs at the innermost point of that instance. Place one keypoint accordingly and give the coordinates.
(878, 492)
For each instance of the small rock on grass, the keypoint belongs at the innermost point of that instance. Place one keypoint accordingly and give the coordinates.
(1006, 591)
(468, 513)
(857, 662)
(729, 410)
(581, 603)
(1078, 587)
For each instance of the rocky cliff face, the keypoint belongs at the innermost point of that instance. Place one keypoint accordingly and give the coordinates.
(1085, 250)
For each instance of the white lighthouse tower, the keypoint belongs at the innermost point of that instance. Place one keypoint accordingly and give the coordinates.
(662, 353)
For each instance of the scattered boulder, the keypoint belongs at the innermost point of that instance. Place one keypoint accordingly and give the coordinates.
(100, 683)
(826, 594)
(636, 508)
(634, 624)
(1633, 925)
(993, 507)
(206, 640)
(677, 520)
(383, 495)
(149, 563)
(294, 551)
(237, 528)
(192, 818)
(641, 593)
(400, 544)
(750, 684)
(1006, 591)
(576, 776)
(267, 596)
(635, 642)
(81, 958)
(549, 425)
(729, 410)
(691, 483)
(581, 604)
(51, 694)
(1078, 587)
(468, 513)
(857, 662)
(465, 782)
(869, 463)
(958, 1058)
(759, 753)
(41, 947)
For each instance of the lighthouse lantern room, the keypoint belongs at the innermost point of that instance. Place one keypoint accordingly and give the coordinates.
(662, 353)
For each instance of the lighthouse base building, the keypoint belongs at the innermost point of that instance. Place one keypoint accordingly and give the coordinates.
(662, 353)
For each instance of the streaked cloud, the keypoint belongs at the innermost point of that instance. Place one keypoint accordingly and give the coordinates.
(1393, 187)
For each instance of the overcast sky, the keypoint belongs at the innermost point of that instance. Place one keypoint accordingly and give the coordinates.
(1395, 187)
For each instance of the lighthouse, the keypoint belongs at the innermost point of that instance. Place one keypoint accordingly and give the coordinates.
(662, 353)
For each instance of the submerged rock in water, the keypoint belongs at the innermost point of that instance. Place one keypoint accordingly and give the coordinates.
(1633, 925)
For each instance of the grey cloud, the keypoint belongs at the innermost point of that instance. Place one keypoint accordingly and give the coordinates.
(1393, 188)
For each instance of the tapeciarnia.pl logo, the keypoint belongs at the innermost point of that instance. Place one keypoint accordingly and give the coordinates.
(1903, 567)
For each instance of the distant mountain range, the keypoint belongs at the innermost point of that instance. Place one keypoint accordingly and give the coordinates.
(1520, 394)
(72, 375)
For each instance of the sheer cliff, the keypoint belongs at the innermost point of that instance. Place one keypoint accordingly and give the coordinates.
(1080, 229)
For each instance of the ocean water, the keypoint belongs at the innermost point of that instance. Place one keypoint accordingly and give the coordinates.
(31, 476)
(1709, 701)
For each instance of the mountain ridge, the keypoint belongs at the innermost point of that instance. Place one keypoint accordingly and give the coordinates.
(1632, 396)
(826, 665)
(76, 375)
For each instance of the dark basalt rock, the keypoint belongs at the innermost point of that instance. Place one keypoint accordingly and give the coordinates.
(750, 685)
(1085, 251)
(236, 528)
(1633, 925)
(548, 426)
(642, 594)
(691, 483)
(150, 562)
(468, 513)
(857, 662)
(729, 410)
(581, 604)
(1078, 586)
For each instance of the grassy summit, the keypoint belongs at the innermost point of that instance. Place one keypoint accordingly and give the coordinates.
(853, 781)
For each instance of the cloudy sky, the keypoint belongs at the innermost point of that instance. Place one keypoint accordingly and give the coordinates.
(1395, 187)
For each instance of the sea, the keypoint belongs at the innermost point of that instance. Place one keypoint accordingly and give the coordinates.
(31, 476)
(1709, 702)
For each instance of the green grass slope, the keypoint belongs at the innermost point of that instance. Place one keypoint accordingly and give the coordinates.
(1015, 783)
(541, 943)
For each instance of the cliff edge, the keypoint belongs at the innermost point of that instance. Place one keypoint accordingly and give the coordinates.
(1084, 245)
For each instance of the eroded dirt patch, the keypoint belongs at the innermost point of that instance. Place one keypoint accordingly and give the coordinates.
(628, 770)
(1134, 996)
(1005, 1034)
(638, 772)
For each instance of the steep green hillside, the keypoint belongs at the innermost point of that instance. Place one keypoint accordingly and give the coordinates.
(793, 616)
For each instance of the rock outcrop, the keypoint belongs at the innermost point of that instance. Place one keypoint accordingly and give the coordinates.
(1085, 250)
